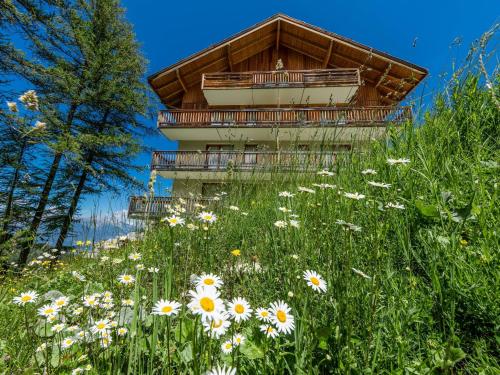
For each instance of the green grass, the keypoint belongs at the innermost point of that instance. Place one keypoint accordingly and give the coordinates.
(415, 291)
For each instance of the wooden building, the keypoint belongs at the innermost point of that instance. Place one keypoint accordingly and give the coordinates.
(282, 95)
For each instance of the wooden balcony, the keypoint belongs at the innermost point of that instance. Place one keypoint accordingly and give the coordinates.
(217, 164)
(158, 207)
(321, 86)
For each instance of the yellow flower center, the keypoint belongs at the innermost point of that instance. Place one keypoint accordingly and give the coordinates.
(264, 314)
(216, 323)
(281, 316)
(49, 311)
(101, 326)
(26, 298)
(270, 329)
(166, 309)
(228, 346)
(239, 308)
(60, 303)
(209, 281)
(314, 280)
(207, 304)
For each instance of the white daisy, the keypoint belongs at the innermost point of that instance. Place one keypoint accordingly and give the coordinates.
(355, 196)
(222, 371)
(206, 302)
(57, 327)
(207, 217)
(284, 209)
(286, 194)
(280, 224)
(396, 205)
(263, 314)
(61, 301)
(325, 172)
(28, 297)
(238, 339)
(164, 307)
(67, 342)
(239, 309)
(303, 189)
(315, 281)
(217, 326)
(91, 301)
(227, 347)
(234, 208)
(128, 302)
(48, 310)
(369, 171)
(101, 327)
(209, 279)
(397, 161)
(174, 221)
(122, 331)
(379, 184)
(281, 317)
(295, 223)
(269, 330)
(126, 279)
(135, 256)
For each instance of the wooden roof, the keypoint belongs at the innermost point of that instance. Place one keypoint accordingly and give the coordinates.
(393, 77)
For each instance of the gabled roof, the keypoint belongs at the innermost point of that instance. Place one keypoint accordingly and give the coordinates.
(394, 77)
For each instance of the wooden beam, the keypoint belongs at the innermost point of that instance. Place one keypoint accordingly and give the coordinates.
(278, 36)
(229, 57)
(384, 75)
(328, 55)
(180, 80)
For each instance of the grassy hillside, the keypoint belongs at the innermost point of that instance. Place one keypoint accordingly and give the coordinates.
(404, 239)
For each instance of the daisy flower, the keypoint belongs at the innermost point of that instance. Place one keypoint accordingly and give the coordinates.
(222, 371)
(269, 330)
(164, 307)
(58, 327)
(234, 208)
(48, 310)
(280, 224)
(295, 223)
(61, 301)
(325, 172)
(101, 327)
(128, 302)
(379, 184)
(209, 279)
(67, 342)
(135, 256)
(28, 297)
(397, 161)
(286, 194)
(217, 326)
(369, 171)
(12, 106)
(315, 281)
(303, 189)
(281, 317)
(174, 221)
(122, 331)
(227, 347)
(206, 302)
(396, 205)
(262, 314)
(238, 339)
(126, 279)
(355, 196)
(207, 217)
(91, 301)
(284, 209)
(239, 309)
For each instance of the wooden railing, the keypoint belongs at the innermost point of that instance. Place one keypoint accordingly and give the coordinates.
(285, 117)
(282, 78)
(160, 206)
(241, 161)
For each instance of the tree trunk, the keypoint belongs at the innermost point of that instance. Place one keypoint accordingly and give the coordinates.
(44, 198)
(74, 203)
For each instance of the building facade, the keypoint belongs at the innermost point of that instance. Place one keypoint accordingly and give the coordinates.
(282, 96)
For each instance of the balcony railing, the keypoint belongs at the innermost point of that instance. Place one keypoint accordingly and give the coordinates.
(160, 206)
(283, 117)
(241, 161)
(282, 78)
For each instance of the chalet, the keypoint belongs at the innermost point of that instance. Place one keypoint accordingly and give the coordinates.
(282, 95)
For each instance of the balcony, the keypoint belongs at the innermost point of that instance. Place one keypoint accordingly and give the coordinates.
(216, 165)
(303, 124)
(322, 86)
(158, 207)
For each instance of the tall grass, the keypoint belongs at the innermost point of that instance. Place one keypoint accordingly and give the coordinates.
(411, 269)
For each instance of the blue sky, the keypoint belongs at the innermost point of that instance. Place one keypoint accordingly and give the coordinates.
(171, 30)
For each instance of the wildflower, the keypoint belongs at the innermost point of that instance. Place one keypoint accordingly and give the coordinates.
(239, 309)
(315, 281)
(238, 339)
(153, 270)
(139, 267)
(30, 100)
(269, 330)
(61, 301)
(128, 302)
(348, 226)
(58, 327)
(77, 371)
(174, 221)
(286, 194)
(325, 172)
(281, 317)
(294, 223)
(379, 184)
(40, 126)
(236, 252)
(206, 302)
(67, 342)
(28, 297)
(218, 325)
(105, 342)
(395, 205)
(325, 186)
(397, 161)
(79, 243)
(135, 256)
(12, 107)
(41, 348)
(48, 310)
(122, 331)
(369, 171)
(191, 226)
(361, 273)
(126, 279)
(280, 224)
(227, 347)
(303, 189)
(209, 280)
(262, 314)
(356, 196)
(164, 307)
(222, 371)
(234, 208)
(207, 217)
(294, 256)
(100, 327)
(90, 301)
(290, 294)
(88, 243)
(78, 276)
